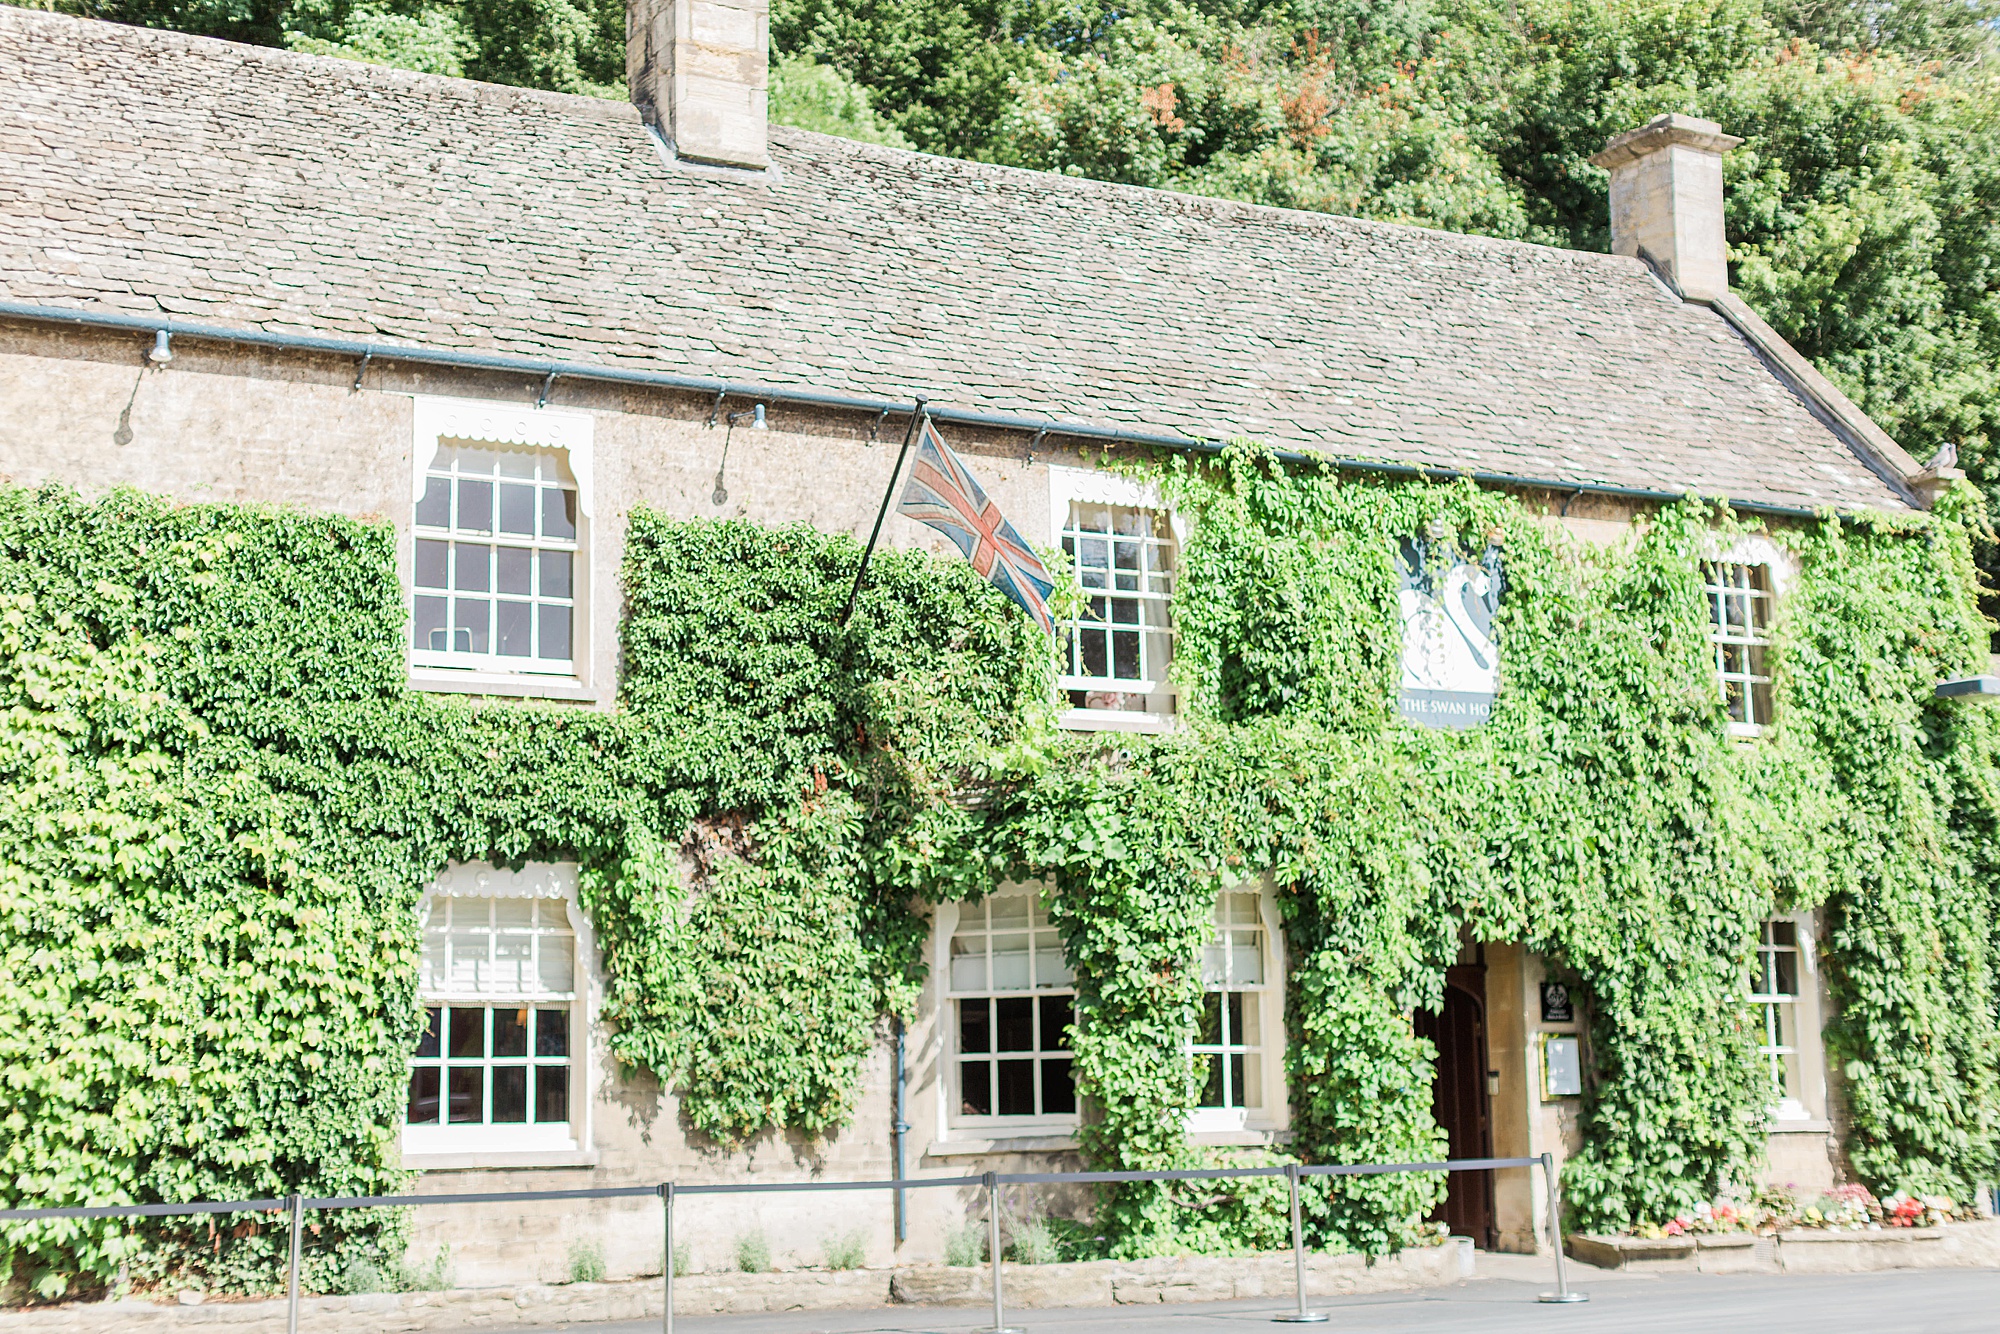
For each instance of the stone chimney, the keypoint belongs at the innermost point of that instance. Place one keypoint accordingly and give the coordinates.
(1666, 201)
(699, 71)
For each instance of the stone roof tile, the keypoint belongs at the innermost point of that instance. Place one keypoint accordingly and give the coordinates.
(268, 190)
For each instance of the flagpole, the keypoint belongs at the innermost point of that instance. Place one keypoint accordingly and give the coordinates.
(916, 417)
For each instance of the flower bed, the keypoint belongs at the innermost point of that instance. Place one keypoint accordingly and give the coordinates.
(1776, 1209)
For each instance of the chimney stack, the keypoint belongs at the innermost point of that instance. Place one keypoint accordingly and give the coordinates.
(699, 73)
(1666, 201)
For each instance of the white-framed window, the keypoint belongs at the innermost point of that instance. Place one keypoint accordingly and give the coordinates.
(1776, 993)
(498, 547)
(1113, 657)
(1009, 1010)
(498, 1068)
(1740, 605)
(1239, 1032)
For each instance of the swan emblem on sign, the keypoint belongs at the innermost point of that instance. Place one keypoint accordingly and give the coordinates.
(1447, 619)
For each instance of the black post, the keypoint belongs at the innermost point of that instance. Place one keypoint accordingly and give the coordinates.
(916, 418)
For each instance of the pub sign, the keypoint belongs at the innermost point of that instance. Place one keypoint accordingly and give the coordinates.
(1451, 664)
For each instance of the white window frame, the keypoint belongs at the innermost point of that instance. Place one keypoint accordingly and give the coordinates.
(501, 426)
(523, 1144)
(1088, 486)
(1758, 552)
(1802, 1108)
(1269, 998)
(956, 1124)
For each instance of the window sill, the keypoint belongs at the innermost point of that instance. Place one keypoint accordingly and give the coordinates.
(1113, 720)
(458, 1162)
(448, 681)
(1053, 1141)
(1250, 1137)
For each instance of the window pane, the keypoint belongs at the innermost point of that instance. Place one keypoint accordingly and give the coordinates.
(427, 1044)
(432, 631)
(467, 1038)
(968, 963)
(467, 1089)
(1780, 932)
(433, 564)
(975, 1030)
(1014, 1023)
(1096, 652)
(551, 1092)
(1011, 911)
(1051, 969)
(555, 633)
(1017, 1088)
(517, 509)
(423, 1106)
(475, 507)
(552, 1032)
(1058, 1088)
(1236, 1081)
(472, 567)
(514, 570)
(1246, 958)
(1208, 1029)
(1211, 1088)
(1010, 961)
(1251, 1033)
(469, 625)
(554, 971)
(510, 1093)
(514, 630)
(1234, 1034)
(555, 574)
(975, 1093)
(1786, 970)
(1250, 1080)
(1125, 654)
(558, 513)
(1055, 1021)
(434, 510)
(510, 1036)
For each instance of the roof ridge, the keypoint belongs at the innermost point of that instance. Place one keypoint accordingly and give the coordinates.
(1216, 206)
(387, 77)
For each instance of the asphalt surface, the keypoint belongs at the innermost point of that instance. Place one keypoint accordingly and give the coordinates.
(1935, 1301)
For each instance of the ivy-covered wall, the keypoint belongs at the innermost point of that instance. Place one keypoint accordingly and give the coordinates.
(221, 802)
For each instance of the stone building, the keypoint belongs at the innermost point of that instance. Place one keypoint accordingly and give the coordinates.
(243, 275)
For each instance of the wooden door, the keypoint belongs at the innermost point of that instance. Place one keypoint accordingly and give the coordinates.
(1460, 1102)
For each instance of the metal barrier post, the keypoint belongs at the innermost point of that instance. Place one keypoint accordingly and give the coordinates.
(1562, 1294)
(292, 1274)
(667, 1256)
(991, 1181)
(1300, 1316)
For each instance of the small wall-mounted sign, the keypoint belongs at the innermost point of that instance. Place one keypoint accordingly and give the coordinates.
(1562, 1066)
(1556, 1005)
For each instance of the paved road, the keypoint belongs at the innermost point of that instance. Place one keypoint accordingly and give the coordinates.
(1937, 1301)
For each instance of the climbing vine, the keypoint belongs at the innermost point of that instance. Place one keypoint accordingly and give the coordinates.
(219, 804)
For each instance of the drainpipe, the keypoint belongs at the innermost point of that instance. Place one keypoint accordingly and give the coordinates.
(901, 1129)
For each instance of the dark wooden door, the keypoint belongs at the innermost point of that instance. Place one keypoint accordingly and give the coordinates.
(1460, 1102)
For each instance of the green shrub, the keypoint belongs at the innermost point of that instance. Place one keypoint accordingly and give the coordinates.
(966, 1245)
(847, 1250)
(753, 1253)
(586, 1261)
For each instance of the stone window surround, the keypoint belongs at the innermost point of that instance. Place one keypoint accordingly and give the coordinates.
(432, 1151)
(951, 1124)
(1778, 564)
(1268, 1121)
(1265, 1126)
(1810, 1112)
(1095, 486)
(480, 421)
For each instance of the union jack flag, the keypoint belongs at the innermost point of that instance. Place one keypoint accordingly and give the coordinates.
(943, 494)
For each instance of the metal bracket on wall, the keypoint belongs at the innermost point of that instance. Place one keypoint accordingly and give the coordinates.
(362, 370)
(542, 400)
